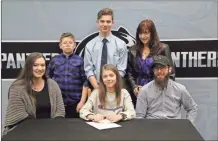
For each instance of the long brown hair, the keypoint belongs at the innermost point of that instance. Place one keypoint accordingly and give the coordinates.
(102, 87)
(154, 43)
(26, 74)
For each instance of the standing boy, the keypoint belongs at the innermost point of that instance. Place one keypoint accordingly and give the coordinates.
(67, 69)
(104, 49)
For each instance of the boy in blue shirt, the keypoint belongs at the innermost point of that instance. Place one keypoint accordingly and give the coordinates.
(67, 69)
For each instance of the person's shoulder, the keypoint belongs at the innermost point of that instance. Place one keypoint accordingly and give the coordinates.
(150, 85)
(118, 40)
(124, 91)
(18, 87)
(51, 82)
(92, 42)
(56, 57)
(18, 84)
(95, 93)
(164, 45)
(77, 57)
(177, 86)
(133, 49)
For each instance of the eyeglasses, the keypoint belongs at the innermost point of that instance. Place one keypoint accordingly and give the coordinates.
(161, 68)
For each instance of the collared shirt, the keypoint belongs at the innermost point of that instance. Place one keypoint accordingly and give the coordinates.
(154, 102)
(69, 73)
(116, 55)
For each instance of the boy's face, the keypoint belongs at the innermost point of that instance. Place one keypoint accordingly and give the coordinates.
(105, 24)
(67, 45)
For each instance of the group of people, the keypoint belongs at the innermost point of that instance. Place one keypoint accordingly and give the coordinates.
(139, 83)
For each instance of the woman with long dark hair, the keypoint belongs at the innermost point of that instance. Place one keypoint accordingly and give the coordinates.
(140, 57)
(109, 101)
(33, 95)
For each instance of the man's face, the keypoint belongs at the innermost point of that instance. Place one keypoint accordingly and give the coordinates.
(161, 73)
(105, 24)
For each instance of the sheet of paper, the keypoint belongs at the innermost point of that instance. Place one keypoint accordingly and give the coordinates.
(104, 124)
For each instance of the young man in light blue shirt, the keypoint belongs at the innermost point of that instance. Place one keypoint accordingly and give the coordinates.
(163, 98)
(95, 55)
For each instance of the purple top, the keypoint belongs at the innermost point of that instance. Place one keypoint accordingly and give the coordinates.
(144, 71)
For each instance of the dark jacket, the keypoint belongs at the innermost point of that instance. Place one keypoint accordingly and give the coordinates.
(131, 76)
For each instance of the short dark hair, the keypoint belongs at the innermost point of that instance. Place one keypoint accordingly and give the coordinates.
(105, 11)
(67, 34)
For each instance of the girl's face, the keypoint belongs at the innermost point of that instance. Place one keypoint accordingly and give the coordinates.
(109, 79)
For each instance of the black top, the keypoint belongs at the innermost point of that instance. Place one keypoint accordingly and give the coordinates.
(43, 106)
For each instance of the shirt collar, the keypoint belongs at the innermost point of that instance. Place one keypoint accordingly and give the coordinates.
(62, 54)
(109, 37)
(169, 83)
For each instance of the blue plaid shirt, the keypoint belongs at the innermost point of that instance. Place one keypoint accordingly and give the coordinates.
(69, 73)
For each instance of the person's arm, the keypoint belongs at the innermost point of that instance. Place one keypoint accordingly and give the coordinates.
(129, 110)
(11, 127)
(88, 67)
(85, 87)
(93, 81)
(83, 99)
(60, 110)
(189, 105)
(141, 104)
(87, 109)
(122, 61)
(50, 69)
(130, 68)
(16, 110)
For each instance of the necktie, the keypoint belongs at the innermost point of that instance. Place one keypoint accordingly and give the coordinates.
(104, 52)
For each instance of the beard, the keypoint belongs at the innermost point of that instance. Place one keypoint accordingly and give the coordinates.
(163, 82)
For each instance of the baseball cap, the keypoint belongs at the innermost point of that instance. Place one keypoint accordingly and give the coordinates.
(162, 60)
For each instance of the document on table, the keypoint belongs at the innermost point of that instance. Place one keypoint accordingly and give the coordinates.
(104, 124)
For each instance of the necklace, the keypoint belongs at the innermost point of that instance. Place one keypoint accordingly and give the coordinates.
(39, 87)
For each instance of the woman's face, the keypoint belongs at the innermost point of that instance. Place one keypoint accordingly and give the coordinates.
(109, 79)
(145, 37)
(39, 68)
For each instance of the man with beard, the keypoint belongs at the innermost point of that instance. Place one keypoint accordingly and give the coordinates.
(163, 98)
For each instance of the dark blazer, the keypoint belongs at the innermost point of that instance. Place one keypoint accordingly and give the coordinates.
(131, 76)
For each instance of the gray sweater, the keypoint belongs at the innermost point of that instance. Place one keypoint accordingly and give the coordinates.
(93, 105)
(20, 105)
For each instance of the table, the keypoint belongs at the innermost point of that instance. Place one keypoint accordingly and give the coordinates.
(78, 129)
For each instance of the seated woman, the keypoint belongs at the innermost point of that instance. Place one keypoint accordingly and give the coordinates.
(109, 101)
(32, 95)
(140, 57)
